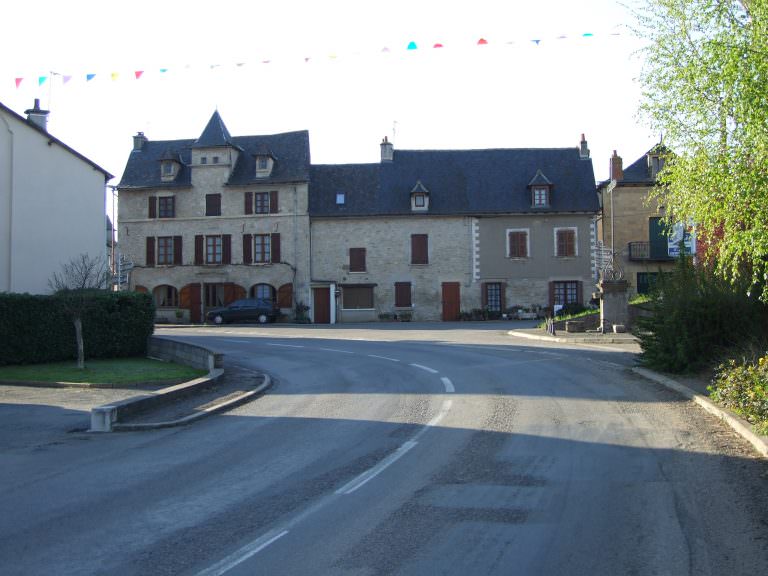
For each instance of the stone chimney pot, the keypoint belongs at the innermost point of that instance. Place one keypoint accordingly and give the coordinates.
(37, 116)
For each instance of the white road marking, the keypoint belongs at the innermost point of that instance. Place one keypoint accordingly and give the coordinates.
(240, 341)
(448, 385)
(438, 418)
(425, 368)
(284, 345)
(371, 473)
(336, 350)
(240, 556)
(383, 358)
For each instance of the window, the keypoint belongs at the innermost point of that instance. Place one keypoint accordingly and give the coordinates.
(646, 281)
(213, 250)
(261, 202)
(357, 260)
(203, 160)
(262, 248)
(517, 243)
(166, 207)
(262, 163)
(340, 198)
(165, 296)
(357, 297)
(419, 249)
(565, 293)
(403, 295)
(419, 200)
(263, 292)
(165, 250)
(492, 297)
(540, 196)
(167, 168)
(565, 242)
(214, 295)
(215, 159)
(213, 204)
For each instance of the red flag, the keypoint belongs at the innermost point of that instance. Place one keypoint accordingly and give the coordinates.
(18, 82)
(138, 74)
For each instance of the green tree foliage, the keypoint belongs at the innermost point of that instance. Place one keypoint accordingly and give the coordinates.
(705, 88)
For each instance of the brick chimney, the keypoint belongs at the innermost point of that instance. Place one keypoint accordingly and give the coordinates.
(138, 141)
(387, 150)
(37, 116)
(617, 167)
(583, 149)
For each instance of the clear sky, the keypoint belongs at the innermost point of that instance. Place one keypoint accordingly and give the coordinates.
(548, 71)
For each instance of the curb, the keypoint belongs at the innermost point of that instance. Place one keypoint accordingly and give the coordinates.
(214, 409)
(738, 424)
(574, 339)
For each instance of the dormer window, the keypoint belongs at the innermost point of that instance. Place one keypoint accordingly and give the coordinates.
(264, 164)
(167, 167)
(341, 198)
(419, 198)
(541, 190)
(170, 164)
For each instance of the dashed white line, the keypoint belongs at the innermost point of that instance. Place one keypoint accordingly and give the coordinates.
(448, 385)
(370, 474)
(383, 358)
(240, 556)
(425, 368)
(284, 345)
(336, 350)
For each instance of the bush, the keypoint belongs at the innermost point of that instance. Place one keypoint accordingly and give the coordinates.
(36, 329)
(694, 315)
(744, 389)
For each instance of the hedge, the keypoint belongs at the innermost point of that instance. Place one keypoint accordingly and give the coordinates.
(36, 329)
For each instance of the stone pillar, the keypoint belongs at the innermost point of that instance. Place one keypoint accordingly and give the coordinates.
(614, 305)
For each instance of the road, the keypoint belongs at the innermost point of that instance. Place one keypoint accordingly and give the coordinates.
(435, 449)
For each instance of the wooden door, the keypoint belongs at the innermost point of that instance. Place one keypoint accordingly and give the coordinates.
(190, 298)
(322, 302)
(451, 301)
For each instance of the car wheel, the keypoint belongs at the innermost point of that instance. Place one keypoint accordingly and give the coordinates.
(218, 319)
(263, 318)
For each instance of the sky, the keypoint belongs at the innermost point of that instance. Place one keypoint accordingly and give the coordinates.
(507, 74)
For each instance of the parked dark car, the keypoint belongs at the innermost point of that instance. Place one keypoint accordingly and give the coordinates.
(247, 310)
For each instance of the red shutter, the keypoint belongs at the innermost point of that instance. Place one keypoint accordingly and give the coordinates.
(249, 202)
(199, 250)
(247, 248)
(273, 205)
(152, 207)
(177, 244)
(275, 258)
(150, 251)
(226, 249)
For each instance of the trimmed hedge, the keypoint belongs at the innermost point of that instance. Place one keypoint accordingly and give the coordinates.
(36, 329)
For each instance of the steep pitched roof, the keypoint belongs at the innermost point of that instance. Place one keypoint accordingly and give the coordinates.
(460, 182)
(291, 149)
(215, 134)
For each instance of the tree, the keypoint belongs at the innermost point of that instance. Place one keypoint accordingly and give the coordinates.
(74, 287)
(705, 87)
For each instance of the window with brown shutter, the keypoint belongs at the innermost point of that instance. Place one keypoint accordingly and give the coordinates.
(262, 248)
(275, 248)
(357, 259)
(226, 249)
(419, 249)
(518, 244)
(199, 250)
(274, 207)
(247, 248)
(213, 204)
(152, 207)
(150, 255)
(357, 297)
(166, 207)
(566, 242)
(249, 202)
(403, 294)
(177, 243)
(261, 202)
(165, 250)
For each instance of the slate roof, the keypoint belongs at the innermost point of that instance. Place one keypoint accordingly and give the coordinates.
(290, 149)
(494, 181)
(215, 134)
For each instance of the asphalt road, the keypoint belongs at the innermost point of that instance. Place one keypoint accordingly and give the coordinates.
(430, 450)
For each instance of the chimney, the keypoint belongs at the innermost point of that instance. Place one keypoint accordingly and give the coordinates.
(387, 150)
(617, 167)
(37, 116)
(583, 150)
(138, 141)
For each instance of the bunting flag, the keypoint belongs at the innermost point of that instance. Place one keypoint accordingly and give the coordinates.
(411, 46)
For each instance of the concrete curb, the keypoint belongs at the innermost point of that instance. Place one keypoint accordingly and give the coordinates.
(738, 424)
(597, 339)
(209, 411)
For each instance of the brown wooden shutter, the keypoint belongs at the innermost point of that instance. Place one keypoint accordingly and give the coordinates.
(213, 204)
(357, 259)
(247, 248)
(249, 202)
(226, 249)
(503, 296)
(402, 294)
(177, 244)
(152, 207)
(274, 208)
(199, 250)
(285, 296)
(275, 257)
(419, 249)
(150, 251)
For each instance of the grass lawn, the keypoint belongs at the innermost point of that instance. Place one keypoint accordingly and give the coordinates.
(115, 371)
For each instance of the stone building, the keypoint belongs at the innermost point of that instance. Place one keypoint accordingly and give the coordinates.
(432, 233)
(211, 220)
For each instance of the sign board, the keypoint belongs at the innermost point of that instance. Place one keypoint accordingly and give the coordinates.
(685, 233)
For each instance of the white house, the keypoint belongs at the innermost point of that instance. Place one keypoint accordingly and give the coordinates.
(52, 204)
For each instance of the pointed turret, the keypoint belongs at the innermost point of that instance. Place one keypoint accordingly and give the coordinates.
(215, 134)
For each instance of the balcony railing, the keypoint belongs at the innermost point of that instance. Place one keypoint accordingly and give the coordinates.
(644, 252)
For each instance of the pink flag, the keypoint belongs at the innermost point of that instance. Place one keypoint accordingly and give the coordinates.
(18, 82)
(138, 74)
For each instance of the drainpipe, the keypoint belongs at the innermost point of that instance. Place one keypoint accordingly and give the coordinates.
(9, 215)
